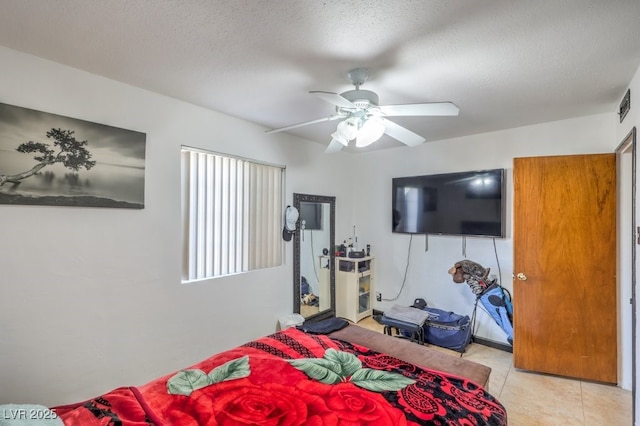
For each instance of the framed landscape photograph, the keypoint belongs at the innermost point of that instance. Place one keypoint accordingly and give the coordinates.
(49, 159)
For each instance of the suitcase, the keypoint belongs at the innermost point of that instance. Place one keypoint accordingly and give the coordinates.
(447, 329)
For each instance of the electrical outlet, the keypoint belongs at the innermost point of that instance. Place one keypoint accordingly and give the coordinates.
(378, 296)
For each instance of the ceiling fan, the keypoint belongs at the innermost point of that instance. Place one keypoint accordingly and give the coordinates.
(363, 119)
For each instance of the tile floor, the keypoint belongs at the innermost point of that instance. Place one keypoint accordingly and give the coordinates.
(537, 399)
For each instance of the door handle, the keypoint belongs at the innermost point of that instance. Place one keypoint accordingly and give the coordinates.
(521, 276)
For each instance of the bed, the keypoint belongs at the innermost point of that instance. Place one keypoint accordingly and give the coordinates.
(352, 376)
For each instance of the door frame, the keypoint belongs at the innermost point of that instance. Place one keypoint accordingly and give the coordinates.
(628, 145)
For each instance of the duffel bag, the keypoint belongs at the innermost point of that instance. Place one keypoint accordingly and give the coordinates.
(447, 329)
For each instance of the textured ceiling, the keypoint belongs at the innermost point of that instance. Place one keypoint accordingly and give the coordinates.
(504, 63)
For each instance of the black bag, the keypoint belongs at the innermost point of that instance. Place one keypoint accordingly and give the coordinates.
(325, 326)
(447, 329)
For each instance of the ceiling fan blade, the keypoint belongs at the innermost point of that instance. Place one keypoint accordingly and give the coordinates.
(334, 146)
(402, 134)
(333, 98)
(434, 108)
(305, 123)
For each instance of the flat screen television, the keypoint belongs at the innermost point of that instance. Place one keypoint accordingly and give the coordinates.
(464, 203)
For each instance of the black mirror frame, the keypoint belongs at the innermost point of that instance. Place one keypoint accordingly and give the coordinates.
(297, 199)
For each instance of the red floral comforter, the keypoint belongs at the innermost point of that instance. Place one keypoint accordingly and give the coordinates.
(294, 378)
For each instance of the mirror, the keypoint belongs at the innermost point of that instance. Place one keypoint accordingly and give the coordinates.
(314, 257)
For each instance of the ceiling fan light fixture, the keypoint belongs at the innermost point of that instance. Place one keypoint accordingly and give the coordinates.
(372, 130)
(337, 136)
(347, 130)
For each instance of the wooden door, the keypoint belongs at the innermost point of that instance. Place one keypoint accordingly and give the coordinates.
(564, 234)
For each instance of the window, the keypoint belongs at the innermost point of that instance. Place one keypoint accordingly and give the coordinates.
(231, 213)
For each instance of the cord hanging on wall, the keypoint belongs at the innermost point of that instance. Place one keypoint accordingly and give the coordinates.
(464, 247)
(406, 270)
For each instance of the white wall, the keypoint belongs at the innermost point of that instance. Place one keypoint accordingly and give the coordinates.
(427, 276)
(91, 298)
(631, 120)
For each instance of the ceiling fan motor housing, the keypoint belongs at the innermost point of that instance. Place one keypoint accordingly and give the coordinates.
(361, 98)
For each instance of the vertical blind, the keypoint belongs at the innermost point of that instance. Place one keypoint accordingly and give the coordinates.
(232, 211)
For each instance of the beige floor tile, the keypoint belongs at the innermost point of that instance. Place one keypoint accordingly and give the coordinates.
(499, 361)
(371, 324)
(606, 404)
(536, 399)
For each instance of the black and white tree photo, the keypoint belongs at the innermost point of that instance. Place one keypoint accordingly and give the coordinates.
(48, 159)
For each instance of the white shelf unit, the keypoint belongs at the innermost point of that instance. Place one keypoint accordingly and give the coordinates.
(354, 287)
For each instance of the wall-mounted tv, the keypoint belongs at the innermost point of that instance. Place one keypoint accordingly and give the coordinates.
(464, 203)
